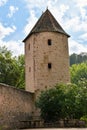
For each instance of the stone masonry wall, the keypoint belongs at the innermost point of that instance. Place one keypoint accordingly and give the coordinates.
(29, 64)
(56, 54)
(40, 54)
(15, 106)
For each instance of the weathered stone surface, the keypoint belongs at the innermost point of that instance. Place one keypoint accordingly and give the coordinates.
(38, 57)
(15, 105)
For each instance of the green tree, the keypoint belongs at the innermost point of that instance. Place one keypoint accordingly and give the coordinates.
(76, 59)
(50, 104)
(78, 72)
(73, 59)
(63, 101)
(81, 98)
(21, 68)
(11, 68)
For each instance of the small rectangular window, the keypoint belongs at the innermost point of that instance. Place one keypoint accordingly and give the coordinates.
(29, 69)
(49, 65)
(49, 42)
(29, 46)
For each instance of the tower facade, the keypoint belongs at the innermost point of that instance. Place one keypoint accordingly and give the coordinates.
(46, 54)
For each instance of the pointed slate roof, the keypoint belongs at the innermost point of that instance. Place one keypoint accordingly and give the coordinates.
(46, 23)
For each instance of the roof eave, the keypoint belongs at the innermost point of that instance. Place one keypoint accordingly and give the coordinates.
(27, 37)
(44, 31)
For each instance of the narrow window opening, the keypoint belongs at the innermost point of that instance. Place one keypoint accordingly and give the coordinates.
(49, 42)
(49, 65)
(29, 69)
(29, 46)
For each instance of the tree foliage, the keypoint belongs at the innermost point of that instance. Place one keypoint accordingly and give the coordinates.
(78, 58)
(78, 72)
(63, 101)
(11, 68)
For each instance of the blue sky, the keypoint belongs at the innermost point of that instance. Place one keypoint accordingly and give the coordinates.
(17, 17)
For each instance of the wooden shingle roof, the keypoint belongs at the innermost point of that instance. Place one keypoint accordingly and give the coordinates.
(46, 23)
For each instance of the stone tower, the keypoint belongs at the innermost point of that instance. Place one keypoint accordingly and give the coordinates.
(46, 54)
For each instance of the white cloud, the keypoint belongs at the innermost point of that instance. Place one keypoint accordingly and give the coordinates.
(83, 37)
(16, 47)
(2, 2)
(4, 31)
(30, 22)
(59, 12)
(40, 4)
(75, 24)
(76, 47)
(63, 8)
(12, 10)
(81, 3)
(83, 13)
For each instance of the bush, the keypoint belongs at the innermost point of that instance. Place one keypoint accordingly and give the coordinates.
(84, 118)
(63, 101)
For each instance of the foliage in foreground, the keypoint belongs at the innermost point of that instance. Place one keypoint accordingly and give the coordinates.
(78, 72)
(11, 69)
(84, 118)
(63, 101)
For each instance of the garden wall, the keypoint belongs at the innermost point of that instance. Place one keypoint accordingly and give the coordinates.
(15, 106)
